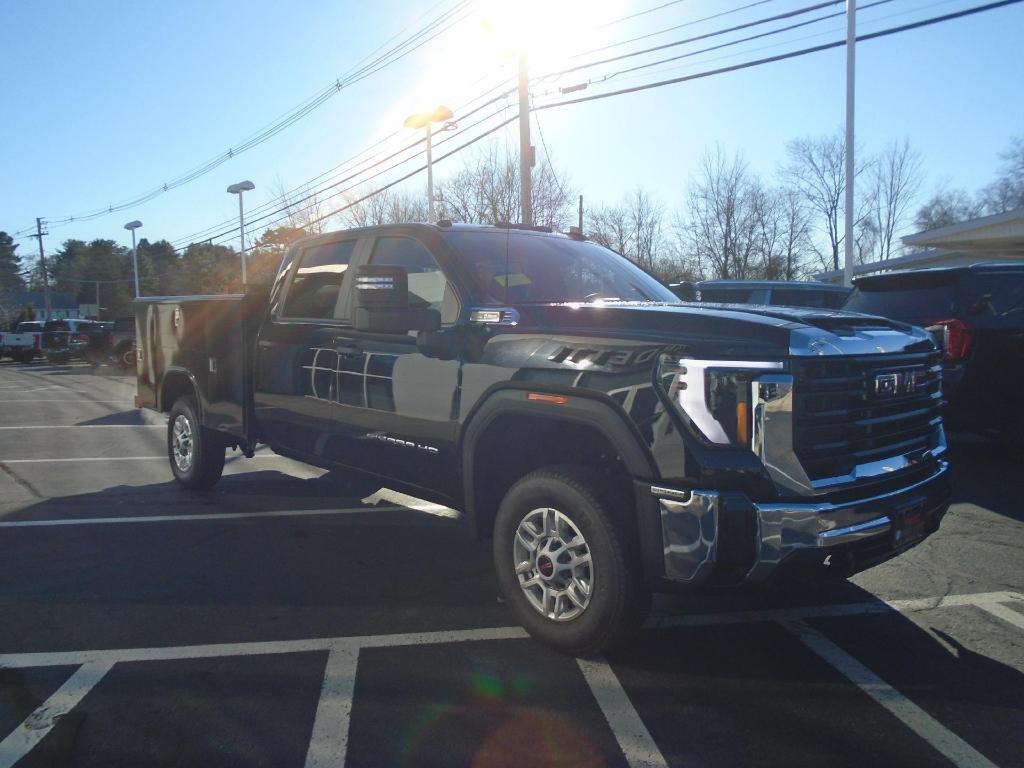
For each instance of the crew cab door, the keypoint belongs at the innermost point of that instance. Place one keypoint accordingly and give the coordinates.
(396, 405)
(296, 362)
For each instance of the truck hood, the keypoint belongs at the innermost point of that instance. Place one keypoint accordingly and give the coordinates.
(732, 330)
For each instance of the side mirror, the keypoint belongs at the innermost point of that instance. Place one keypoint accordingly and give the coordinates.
(382, 303)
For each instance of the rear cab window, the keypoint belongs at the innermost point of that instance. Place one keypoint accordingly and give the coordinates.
(725, 295)
(428, 286)
(921, 298)
(316, 285)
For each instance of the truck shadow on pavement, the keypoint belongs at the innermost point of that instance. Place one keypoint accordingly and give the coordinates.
(719, 694)
(984, 474)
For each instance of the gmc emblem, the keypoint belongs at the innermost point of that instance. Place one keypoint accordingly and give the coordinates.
(899, 383)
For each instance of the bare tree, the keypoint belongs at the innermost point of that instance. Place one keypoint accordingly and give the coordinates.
(768, 230)
(634, 228)
(610, 227)
(721, 224)
(894, 181)
(1006, 193)
(486, 190)
(945, 207)
(794, 241)
(303, 206)
(365, 209)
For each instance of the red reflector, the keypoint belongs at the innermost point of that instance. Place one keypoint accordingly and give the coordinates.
(542, 398)
(956, 339)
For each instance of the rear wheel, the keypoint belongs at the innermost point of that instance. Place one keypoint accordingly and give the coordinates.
(566, 563)
(196, 453)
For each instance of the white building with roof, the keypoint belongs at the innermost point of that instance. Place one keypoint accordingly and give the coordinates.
(989, 238)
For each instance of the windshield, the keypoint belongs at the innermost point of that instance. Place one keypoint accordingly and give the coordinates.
(900, 301)
(514, 268)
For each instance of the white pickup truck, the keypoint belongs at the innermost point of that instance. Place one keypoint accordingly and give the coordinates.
(24, 342)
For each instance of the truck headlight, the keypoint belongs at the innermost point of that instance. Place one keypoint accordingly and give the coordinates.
(714, 396)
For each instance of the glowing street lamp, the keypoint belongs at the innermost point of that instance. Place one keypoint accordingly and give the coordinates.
(426, 120)
(132, 226)
(238, 189)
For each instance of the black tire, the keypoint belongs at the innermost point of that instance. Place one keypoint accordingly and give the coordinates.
(24, 357)
(205, 451)
(618, 599)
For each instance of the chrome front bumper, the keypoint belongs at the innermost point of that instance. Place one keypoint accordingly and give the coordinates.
(691, 527)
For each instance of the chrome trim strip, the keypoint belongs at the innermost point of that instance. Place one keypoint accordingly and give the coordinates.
(883, 523)
(670, 493)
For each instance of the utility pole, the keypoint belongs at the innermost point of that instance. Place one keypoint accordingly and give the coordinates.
(98, 296)
(42, 262)
(851, 43)
(525, 148)
(581, 214)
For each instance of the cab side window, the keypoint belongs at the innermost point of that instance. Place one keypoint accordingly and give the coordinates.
(317, 283)
(428, 286)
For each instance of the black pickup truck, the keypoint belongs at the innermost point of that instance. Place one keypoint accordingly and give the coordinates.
(608, 439)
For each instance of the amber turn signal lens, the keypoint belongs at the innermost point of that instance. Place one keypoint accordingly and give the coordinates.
(743, 423)
(540, 397)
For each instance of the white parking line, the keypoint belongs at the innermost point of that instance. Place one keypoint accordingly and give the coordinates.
(66, 400)
(329, 742)
(958, 751)
(1004, 613)
(162, 457)
(35, 727)
(191, 518)
(90, 426)
(629, 730)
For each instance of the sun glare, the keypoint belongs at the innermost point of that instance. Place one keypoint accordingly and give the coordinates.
(486, 45)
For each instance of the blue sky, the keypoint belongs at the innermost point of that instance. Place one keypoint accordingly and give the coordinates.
(105, 100)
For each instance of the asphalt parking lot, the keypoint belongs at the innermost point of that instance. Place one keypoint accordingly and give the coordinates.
(273, 622)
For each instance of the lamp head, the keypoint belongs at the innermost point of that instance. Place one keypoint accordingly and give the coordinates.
(242, 186)
(133, 225)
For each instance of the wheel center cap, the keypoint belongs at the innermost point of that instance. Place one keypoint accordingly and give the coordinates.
(545, 566)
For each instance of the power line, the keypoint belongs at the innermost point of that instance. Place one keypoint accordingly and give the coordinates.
(749, 38)
(705, 36)
(384, 171)
(384, 60)
(305, 188)
(643, 13)
(673, 29)
(784, 56)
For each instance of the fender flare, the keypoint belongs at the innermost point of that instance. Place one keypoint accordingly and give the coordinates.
(175, 371)
(587, 408)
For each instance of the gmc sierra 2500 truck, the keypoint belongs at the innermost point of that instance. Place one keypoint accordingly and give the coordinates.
(608, 439)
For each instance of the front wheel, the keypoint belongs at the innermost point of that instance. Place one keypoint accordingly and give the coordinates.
(566, 563)
(196, 453)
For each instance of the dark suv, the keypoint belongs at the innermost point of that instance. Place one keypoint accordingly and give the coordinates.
(976, 315)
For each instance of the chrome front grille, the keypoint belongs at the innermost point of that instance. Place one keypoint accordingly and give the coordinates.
(853, 411)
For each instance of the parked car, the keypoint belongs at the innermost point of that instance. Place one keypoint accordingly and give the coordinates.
(976, 314)
(117, 346)
(783, 293)
(609, 440)
(24, 343)
(72, 339)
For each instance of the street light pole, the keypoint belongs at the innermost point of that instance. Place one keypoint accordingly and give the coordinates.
(426, 120)
(430, 174)
(851, 45)
(525, 148)
(131, 225)
(238, 189)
